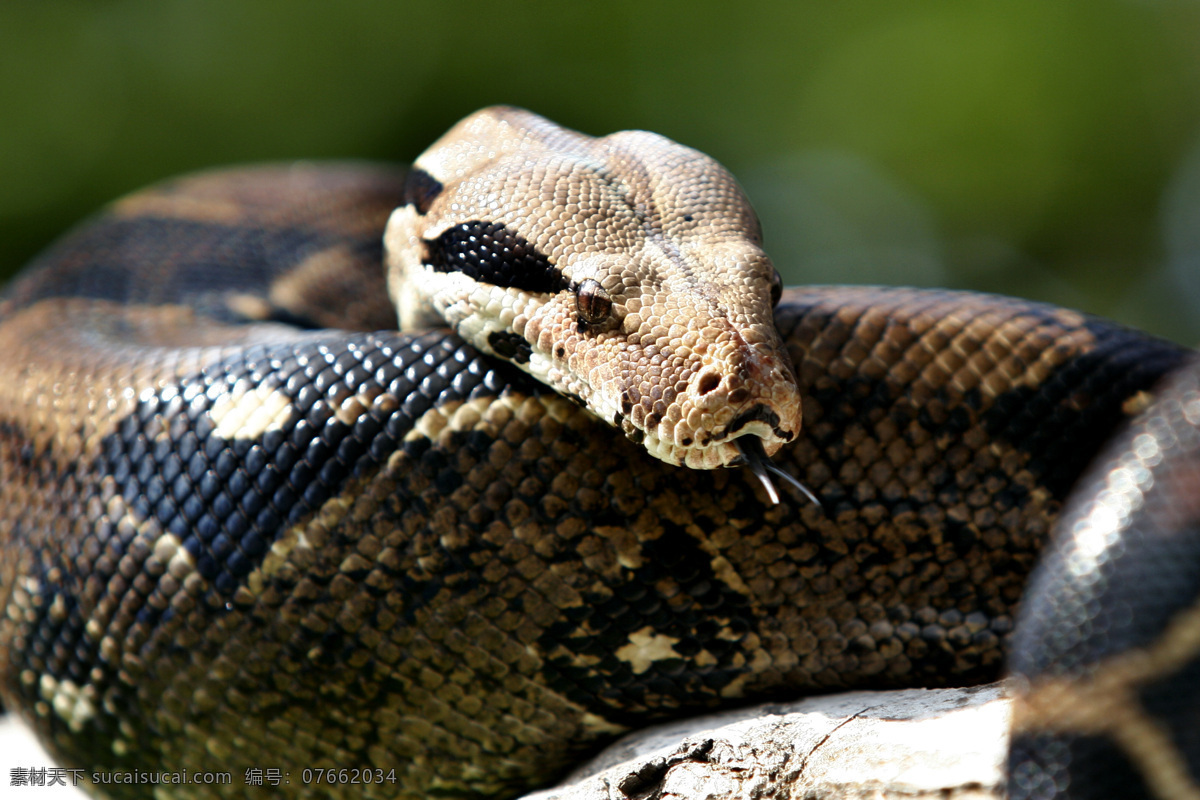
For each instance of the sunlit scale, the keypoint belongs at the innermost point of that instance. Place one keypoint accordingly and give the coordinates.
(1099, 531)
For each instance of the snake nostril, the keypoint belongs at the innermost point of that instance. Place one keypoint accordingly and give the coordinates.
(709, 381)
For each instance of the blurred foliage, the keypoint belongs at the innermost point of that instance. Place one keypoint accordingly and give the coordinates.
(1049, 150)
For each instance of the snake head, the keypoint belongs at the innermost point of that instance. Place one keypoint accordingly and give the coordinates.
(626, 272)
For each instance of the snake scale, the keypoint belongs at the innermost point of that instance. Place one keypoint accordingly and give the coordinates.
(247, 523)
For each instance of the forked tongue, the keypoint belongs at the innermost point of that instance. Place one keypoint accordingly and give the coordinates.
(756, 458)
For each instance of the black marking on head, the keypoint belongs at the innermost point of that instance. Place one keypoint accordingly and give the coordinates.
(512, 346)
(626, 404)
(491, 253)
(421, 189)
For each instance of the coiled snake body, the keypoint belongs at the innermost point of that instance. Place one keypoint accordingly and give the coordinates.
(247, 524)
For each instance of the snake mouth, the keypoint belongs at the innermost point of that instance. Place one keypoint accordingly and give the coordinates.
(748, 450)
(759, 413)
(725, 447)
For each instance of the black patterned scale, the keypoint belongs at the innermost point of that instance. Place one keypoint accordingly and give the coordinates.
(1108, 649)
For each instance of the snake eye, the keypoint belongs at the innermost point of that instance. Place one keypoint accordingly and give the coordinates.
(776, 288)
(592, 302)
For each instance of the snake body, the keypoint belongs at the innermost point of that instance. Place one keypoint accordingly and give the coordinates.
(247, 524)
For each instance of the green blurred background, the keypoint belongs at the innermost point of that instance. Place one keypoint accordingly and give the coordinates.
(1043, 149)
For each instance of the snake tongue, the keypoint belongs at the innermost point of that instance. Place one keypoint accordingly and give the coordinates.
(751, 449)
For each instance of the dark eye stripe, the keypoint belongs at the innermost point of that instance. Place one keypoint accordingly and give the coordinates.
(511, 346)
(491, 253)
(421, 189)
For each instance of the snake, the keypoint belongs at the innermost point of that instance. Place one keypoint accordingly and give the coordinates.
(355, 480)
